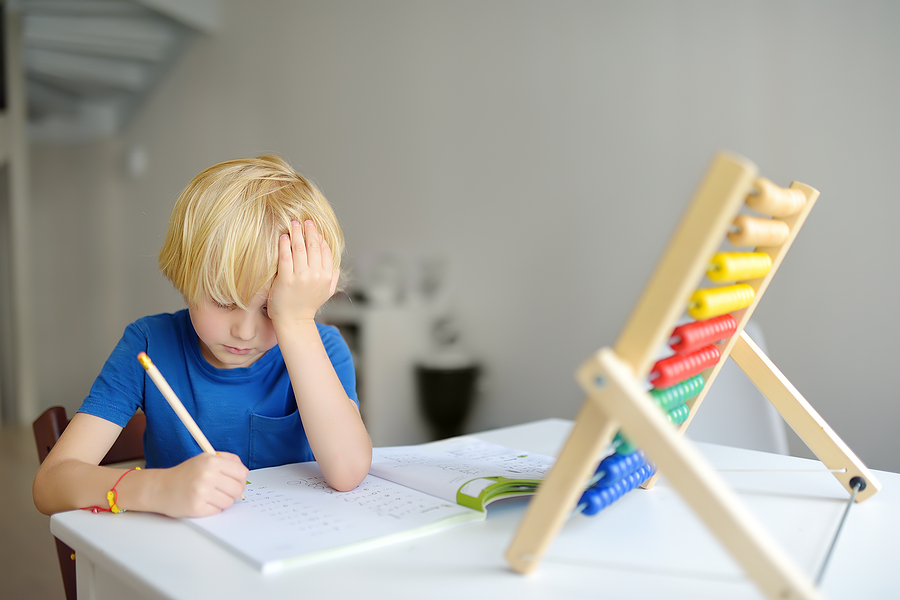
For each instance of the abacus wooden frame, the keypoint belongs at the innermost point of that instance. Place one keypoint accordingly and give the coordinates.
(617, 398)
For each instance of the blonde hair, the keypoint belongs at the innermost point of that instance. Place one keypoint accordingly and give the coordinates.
(222, 239)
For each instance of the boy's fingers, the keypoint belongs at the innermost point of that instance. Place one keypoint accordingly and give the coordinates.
(313, 246)
(220, 500)
(285, 256)
(298, 245)
(234, 488)
(230, 456)
(234, 484)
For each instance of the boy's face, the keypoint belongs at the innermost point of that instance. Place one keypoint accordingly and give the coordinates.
(231, 337)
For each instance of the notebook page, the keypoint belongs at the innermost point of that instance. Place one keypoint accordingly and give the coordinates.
(291, 516)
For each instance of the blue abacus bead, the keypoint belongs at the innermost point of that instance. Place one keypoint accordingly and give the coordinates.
(604, 493)
(629, 482)
(647, 472)
(592, 502)
(611, 466)
(639, 476)
(607, 495)
(622, 466)
(607, 465)
(637, 459)
(635, 480)
(627, 464)
(634, 462)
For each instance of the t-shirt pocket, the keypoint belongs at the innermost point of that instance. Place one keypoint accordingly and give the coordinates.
(277, 441)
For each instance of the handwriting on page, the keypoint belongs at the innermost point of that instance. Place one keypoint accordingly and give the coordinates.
(290, 512)
(301, 512)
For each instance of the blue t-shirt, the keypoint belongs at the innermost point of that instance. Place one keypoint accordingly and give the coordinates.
(249, 411)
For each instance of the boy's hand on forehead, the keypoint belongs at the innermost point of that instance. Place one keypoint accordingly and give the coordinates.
(306, 278)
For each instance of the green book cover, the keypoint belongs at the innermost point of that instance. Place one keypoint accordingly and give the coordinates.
(464, 470)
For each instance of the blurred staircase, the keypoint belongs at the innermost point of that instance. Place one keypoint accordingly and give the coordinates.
(89, 64)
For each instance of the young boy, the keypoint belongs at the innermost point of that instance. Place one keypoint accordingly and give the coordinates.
(255, 250)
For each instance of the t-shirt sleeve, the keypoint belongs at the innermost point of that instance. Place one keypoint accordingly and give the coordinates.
(339, 353)
(118, 390)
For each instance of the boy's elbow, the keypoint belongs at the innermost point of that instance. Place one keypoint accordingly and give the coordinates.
(39, 496)
(43, 508)
(47, 491)
(351, 474)
(346, 483)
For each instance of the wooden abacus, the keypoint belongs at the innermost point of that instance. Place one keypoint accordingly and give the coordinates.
(615, 379)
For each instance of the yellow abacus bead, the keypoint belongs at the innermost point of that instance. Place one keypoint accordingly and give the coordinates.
(738, 266)
(712, 302)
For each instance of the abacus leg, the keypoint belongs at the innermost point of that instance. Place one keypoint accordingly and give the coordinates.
(689, 473)
(557, 496)
(802, 418)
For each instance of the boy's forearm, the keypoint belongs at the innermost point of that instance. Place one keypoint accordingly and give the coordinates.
(334, 428)
(203, 485)
(72, 484)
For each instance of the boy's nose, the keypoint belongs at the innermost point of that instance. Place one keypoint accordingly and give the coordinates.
(244, 327)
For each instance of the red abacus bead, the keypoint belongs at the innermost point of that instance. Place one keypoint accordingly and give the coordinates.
(669, 371)
(690, 337)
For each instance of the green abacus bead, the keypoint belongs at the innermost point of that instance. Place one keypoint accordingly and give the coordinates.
(624, 446)
(669, 397)
(679, 414)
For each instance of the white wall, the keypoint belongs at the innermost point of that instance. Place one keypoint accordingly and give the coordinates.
(545, 148)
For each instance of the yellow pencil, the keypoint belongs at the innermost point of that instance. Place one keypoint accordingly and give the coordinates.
(175, 403)
(172, 398)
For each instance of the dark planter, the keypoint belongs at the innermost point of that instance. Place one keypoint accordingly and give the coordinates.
(446, 395)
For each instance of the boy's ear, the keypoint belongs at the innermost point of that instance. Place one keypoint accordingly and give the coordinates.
(334, 281)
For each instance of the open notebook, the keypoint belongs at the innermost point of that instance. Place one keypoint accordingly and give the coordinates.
(291, 517)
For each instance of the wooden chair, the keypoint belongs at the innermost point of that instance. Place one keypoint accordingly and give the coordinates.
(128, 447)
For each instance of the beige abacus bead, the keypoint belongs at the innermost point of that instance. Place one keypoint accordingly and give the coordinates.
(754, 232)
(775, 201)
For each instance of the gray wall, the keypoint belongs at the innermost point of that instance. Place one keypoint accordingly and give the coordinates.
(545, 148)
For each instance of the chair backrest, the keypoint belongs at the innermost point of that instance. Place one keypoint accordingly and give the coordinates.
(736, 413)
(47, 429)
(128, 447)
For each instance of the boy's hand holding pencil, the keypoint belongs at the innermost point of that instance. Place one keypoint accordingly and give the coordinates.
(205, 484)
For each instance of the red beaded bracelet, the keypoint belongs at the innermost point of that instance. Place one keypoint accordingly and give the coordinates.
(112, 497)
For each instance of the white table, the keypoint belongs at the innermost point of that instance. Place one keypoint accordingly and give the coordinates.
(647, 545)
